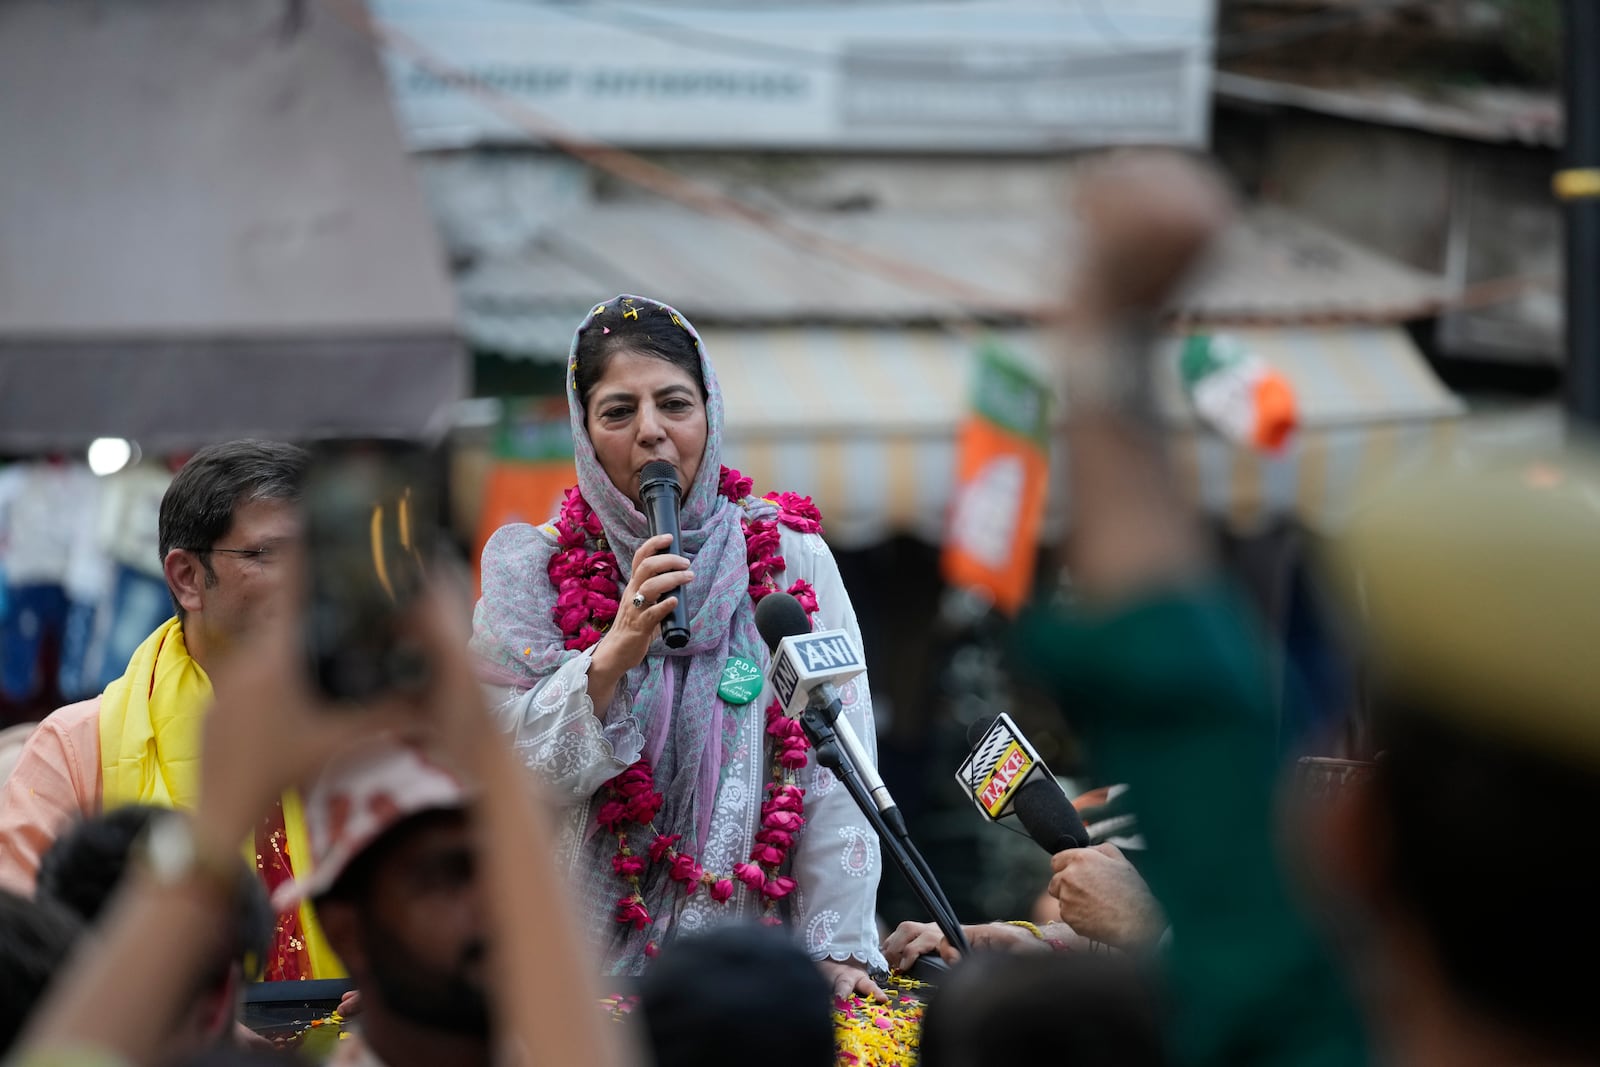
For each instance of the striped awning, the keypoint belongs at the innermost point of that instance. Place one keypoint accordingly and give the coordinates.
(1322, 478)
(865, 420)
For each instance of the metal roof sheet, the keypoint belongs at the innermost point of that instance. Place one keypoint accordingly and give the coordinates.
(1274, 267)
(1498, 114)
(1271, 268)
(209, 226)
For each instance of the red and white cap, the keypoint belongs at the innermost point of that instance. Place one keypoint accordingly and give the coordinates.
(356, 799)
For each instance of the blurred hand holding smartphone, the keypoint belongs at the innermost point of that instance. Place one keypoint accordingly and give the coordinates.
(373, 512)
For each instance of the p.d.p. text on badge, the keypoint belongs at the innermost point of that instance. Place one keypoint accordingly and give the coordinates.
(741, 681)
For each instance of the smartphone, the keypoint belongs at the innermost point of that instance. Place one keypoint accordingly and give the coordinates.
(373, 528)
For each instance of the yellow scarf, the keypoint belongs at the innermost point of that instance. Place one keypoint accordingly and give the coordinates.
(150, 754)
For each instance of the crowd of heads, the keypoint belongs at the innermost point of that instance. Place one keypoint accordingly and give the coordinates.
(396, 884)
(35, 938)
(1446, 800)
(77, 885)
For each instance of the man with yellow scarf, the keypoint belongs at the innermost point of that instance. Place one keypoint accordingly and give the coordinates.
(229, 532)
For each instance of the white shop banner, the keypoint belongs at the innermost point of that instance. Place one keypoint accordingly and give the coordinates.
(973, 75)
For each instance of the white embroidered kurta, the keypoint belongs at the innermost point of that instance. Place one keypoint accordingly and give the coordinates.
(836, 860)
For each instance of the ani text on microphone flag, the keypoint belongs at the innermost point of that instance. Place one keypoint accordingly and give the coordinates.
(801, 660)
(802, 663)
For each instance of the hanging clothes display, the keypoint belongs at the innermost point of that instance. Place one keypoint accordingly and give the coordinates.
(42, 506)
(136, 600)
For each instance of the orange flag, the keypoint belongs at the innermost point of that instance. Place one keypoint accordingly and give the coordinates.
(532, 466)
(1002, 475)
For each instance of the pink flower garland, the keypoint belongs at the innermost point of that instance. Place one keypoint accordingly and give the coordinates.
(588, 584)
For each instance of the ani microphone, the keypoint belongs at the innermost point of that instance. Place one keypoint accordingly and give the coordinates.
(661, 495)
(806, 667)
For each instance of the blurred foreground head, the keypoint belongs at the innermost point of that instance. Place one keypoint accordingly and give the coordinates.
(394, 875)
(35, 937)
(83, 870)
(1467, 856)
(716, 997)
(1074, 1008)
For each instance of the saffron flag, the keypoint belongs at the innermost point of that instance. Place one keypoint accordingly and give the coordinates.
(1002, 475)
(532, 466)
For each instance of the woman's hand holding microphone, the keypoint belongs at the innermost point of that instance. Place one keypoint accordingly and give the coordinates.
(647, 600)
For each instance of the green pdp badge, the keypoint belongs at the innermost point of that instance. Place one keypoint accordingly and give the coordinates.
(741, 681)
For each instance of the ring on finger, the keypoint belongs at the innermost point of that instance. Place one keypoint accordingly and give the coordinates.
(638, 600)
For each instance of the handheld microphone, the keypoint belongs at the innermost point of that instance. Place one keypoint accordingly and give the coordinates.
(806, 667)
(661, 495)
(1005, 778)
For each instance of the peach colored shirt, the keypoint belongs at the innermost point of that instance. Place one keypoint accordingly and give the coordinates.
(56, 780)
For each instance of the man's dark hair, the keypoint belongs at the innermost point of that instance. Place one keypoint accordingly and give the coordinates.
(1071, 1008)
(198, 507)
(1452, 800)
(83, 867)
(715, 997)
(35, 937)
(644, 327)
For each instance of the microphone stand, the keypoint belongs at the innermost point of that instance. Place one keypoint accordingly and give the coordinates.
(818, 725)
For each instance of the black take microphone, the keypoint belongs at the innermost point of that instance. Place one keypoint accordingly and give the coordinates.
(1006, 778)
(660, 493)
(1049, 817)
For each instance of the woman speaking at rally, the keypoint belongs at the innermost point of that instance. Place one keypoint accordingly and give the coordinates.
(690, 805)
